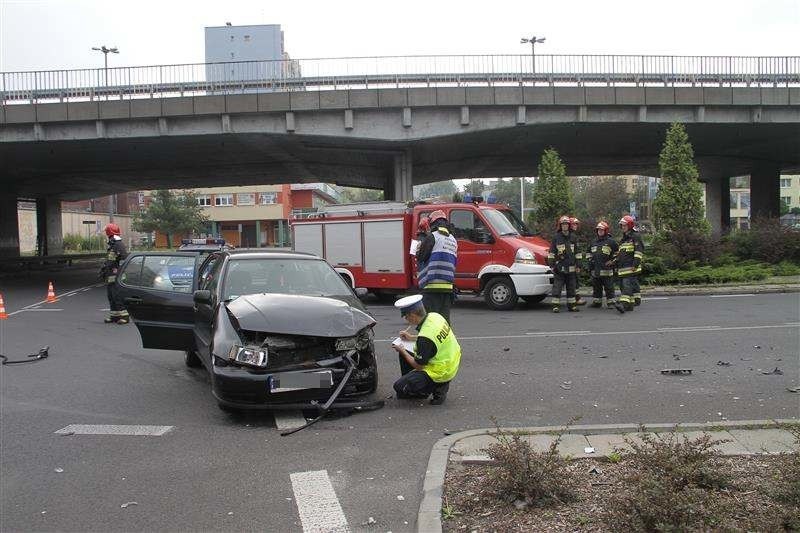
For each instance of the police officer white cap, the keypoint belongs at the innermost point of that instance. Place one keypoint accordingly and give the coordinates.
(409, 304)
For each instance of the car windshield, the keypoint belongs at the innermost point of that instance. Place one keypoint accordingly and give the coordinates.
(518, 224)
(309, 277)
(499, 222)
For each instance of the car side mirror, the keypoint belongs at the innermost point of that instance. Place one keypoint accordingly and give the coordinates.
(361, 291)
(484, 237)
(202, 297)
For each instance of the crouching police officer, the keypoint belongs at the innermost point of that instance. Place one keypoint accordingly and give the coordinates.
(436, 356)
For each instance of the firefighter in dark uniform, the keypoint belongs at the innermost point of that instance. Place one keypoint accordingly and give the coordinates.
(438, 254)
(423, 228)
(574, 225)
(436, 358)
(561, 259)
(115, 254)
(629, 261)
(600, 256)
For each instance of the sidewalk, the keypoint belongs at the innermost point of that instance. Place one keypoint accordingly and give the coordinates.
(747, 437)
(771, 285)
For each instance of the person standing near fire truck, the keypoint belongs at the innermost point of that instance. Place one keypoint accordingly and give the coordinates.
(437, 255)
(561, 259)
(629, 261)
(600, 256)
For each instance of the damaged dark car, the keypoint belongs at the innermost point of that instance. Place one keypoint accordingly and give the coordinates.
(274, 329)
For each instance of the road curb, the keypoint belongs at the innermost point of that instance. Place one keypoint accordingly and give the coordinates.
(705, 290)
(429, 517)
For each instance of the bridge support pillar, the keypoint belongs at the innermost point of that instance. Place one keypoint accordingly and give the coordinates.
(9, 226)
(49, 238)
(718, 205)
(401, 187)
(765, 180)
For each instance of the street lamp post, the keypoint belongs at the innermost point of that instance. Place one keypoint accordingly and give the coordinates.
(533, 40)
(105, 51)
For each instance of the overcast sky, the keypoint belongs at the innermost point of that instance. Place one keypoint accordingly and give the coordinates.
(54, 34)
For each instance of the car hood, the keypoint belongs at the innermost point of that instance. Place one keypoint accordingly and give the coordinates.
(298, 315)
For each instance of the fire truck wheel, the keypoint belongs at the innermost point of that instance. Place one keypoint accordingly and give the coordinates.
(191, 359)
(500, 293)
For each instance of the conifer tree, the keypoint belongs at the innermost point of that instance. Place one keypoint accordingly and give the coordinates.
(552, 195)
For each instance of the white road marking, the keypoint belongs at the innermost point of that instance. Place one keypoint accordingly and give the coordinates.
(637, 332)
(37, 309)
(549, 333)
(649, 298)
(317, 504)
(288, 419)
(729, 295)
(105, 429)
(70, 293)
(689, 328)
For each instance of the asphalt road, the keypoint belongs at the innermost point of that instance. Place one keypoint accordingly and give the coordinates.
(214, 471)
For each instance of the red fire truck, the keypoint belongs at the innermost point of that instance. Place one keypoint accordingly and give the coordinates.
(370, 245)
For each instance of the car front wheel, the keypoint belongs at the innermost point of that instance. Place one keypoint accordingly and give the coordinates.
(500, 294)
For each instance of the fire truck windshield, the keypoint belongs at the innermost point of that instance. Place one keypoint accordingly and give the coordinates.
(499, 222)
(518, 224)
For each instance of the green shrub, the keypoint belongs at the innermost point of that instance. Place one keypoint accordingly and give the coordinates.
(79, 243)
(72, 241)
(522, 473)
(786, 268)
(767, 240)
(708, 274)
(673, 485)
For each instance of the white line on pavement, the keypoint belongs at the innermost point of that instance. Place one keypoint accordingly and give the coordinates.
(649, 298)
(317, 503)
(730, 295)
(37, 309)
(288, 419)
(638, 332)
(548, 333)
(688, 328)
(70, 293)
(104, 429)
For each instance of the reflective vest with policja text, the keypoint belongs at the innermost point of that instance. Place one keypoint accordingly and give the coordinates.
(440, 271)
(444, 365)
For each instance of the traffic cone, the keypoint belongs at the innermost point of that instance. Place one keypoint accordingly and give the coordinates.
(3, 314)
(51, 294)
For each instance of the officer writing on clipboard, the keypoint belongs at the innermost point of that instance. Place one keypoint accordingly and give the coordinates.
(431, 362)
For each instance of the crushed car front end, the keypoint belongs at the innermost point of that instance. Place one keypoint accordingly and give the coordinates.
(285, 351)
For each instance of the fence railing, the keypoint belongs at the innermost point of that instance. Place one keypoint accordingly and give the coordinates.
(397, 71)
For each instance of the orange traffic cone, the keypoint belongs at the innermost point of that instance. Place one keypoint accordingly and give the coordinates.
(51, 294)
(3, 314)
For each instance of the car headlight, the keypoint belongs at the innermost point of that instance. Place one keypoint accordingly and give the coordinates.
(524, 255)
(359, 342)
(255, 356)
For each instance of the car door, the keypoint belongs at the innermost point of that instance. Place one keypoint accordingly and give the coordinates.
(473, 253)
(208, 278)
(157, 288)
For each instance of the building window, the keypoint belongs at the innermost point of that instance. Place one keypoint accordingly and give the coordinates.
(787, 200)
(744, 200)
(204, 201)
(786, 182)
(245, 198)
(266, 198)
(221, 200)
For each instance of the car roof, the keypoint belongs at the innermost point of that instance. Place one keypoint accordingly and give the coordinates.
(253, 253)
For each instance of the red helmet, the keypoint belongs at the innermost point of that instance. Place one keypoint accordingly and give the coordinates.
(436, 215)
(603, 226)
(424, 224)
(563, 219)
(628, 221)
(573, 222)
(112, 229)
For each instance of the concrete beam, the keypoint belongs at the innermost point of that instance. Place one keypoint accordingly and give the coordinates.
(765, 191)
(9, 226)
(48, 226)
(718, 205)
(422, 96)
(402, 188)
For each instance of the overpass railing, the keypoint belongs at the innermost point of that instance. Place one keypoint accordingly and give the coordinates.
(397, 71)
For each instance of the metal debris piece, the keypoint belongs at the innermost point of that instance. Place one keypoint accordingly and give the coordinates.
(515, 373)
(369, 522)
(59, 470)
(723, 363)
(677, 371)
(756, 346)
(777, 372)
(565, 387)
(128, 504)
(595, 470)
(506, 348)
(602, 357)
(588, 449)
(400, 498)
(793, 389)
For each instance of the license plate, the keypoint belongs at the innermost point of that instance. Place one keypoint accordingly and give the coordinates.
(294, 381)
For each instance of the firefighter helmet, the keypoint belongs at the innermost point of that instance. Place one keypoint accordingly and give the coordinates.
(574, 222)
(112, 229)
(627, 221)
(563, 219)
(424, 224)
(436, 215)
(602, 225)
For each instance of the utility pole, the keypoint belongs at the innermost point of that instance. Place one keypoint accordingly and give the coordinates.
(106, 51)
(533, 40)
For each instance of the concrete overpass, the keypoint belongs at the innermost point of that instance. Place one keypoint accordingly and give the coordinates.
(391, 136)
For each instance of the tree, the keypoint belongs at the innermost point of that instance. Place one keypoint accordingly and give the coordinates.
(436, 189)
(474, 187)
(357, 194)
(552, 195)
(507, 192)
(606, 198)
(784, 208)
(678, 204)
(171, 213)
